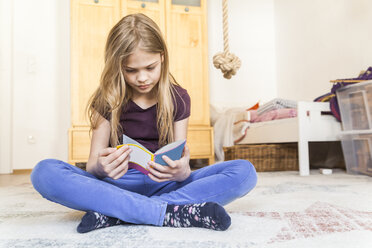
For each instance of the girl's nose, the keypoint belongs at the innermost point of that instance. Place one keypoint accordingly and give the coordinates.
(142, 76)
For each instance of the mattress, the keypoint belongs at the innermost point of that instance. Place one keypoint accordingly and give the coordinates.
(276, 131)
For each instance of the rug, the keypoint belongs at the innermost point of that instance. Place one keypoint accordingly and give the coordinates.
(284, 210)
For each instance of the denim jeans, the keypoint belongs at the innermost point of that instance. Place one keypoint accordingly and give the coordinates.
(135, 198)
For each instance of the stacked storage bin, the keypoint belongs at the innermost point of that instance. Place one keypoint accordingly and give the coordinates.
(355, 102)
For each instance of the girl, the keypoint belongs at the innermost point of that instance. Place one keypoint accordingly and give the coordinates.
(138, 96)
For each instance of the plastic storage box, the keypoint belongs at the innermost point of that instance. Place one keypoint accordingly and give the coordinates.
(357, 149)
(355, 102)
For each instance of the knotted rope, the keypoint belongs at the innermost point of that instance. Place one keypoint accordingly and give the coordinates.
(226, 61)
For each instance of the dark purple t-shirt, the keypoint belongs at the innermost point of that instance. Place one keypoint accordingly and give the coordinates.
(140, 124)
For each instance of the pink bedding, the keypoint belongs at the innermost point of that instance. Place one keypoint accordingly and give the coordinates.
(273, 115)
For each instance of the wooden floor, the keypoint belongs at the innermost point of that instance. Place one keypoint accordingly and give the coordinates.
(18, 177)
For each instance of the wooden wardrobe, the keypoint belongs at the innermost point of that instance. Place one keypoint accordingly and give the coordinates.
(184, 25)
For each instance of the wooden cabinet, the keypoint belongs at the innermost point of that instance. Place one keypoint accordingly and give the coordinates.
(91, 21)
(90, 25)
(186, 34)
(152, 8)
(184, 26)
(187, 42)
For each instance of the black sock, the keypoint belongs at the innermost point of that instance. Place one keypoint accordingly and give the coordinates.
(93, 220)
(207, 215)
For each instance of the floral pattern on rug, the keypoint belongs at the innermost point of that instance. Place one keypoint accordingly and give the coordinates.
(319, 219)
(284, 210)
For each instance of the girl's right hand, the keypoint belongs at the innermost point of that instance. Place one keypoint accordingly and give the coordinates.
(113, 162)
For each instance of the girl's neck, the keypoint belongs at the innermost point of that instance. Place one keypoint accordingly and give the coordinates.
(145, 100)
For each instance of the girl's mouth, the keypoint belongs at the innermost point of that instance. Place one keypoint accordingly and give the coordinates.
(143, 87)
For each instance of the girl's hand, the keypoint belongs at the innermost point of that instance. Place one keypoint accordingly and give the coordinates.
(177, 170)
(113, 162)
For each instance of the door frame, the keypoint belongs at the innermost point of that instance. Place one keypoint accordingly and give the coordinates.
(6, 89)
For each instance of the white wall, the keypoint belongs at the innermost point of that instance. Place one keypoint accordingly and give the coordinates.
(252, 39)
(40, 81)
(289, 48)
(320, 40)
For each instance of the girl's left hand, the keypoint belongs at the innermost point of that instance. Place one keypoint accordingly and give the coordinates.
(177, 170)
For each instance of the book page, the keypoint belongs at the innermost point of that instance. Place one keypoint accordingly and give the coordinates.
(170, 146)
(139, 156)
(128, 140)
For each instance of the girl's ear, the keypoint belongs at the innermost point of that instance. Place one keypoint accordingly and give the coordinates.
(162, 57)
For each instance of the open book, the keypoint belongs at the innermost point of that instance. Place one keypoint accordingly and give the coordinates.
(140, 156)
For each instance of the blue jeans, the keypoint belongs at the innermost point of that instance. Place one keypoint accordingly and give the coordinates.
(135, 198)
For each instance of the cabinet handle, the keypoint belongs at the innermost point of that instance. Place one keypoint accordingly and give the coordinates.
(96, 1)
(143, 5)
(187, 9)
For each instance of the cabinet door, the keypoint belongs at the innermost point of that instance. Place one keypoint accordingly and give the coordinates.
(152, 8)
(91, 21)
(79, 145)
(187, 42)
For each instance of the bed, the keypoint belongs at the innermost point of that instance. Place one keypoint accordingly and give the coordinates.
(313, 123)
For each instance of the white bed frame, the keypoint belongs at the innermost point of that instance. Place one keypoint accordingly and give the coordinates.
(309, 125)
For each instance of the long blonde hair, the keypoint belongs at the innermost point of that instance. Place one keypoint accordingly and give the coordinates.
(113, 94)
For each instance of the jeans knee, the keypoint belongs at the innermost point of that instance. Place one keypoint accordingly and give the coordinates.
(247, 176)
(42, 175)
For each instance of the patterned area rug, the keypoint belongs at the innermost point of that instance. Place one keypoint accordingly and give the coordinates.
(284, 210)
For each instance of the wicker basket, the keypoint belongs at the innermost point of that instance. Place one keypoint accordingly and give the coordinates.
(266, 157)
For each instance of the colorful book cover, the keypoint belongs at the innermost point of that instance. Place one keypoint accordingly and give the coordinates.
(140, 155)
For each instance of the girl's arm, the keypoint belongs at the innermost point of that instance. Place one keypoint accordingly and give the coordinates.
(180, 129)
(105, 161)
(178, 170)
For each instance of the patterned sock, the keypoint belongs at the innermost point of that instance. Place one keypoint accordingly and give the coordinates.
(207, 215)
(93, 220)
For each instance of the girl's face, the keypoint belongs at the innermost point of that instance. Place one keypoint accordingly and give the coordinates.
(142, 71)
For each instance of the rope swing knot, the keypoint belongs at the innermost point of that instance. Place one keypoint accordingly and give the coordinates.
(226, 61)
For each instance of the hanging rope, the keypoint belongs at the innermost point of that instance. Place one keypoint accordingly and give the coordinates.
(226, 61)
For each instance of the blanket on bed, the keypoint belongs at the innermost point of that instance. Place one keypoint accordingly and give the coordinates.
(223, 128)
(276, 103)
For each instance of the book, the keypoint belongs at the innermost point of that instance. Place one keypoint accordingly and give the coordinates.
(140, 155)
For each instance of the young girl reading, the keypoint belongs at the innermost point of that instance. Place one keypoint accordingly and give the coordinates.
(138, 97)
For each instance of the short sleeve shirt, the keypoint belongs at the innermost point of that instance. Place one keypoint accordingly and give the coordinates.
(140, 124)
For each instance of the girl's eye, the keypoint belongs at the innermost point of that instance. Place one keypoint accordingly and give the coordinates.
(150, 68)
(129, 71)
